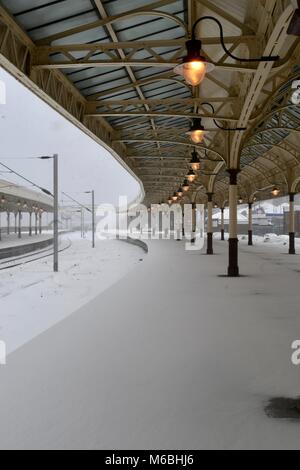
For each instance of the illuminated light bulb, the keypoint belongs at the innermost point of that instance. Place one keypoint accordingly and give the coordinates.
(197, 136)
(191, 176)
(276, 192)
(186, 186)
(197, 131)
(193, 72)
(195, 163)
(194, 66)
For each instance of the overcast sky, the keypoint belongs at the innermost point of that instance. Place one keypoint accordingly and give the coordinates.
(29, 127)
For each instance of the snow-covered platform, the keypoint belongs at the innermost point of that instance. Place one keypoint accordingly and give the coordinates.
(172, 356)
(33, 298)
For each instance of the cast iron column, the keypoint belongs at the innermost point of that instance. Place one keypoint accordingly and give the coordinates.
(233, 267)
(93, 220)
(194, 206)
(30, 224)
(292, 249)
(222, 225)
(8, 223)
(40, 223)
(250, 225)
(36, 223)
(55, 213)
(210, 250)
(20, 225)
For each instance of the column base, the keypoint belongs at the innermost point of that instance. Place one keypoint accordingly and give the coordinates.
(222, 235)
(233, 268)
(210, 250)
(250, 238)
(292, 248)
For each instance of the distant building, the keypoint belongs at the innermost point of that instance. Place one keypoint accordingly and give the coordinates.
(268, 216)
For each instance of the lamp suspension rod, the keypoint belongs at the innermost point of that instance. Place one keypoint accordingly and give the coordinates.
(229, 129)
(212, 18)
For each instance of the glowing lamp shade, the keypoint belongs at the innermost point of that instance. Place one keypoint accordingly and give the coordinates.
(180, 192)
(195, 163)
(174, 197)
(191, 176)
(197, 136)
(186, 186)
(194, 66)
(170, 200)
(193, 72)
(197, 131)
(276, 192)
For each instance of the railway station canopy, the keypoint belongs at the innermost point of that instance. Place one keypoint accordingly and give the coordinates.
(14, 198)
(120, 71)
(149, 344)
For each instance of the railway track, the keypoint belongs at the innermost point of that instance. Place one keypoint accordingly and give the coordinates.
(36, 256)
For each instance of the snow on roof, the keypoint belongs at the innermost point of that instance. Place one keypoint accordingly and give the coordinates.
(15, 192)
